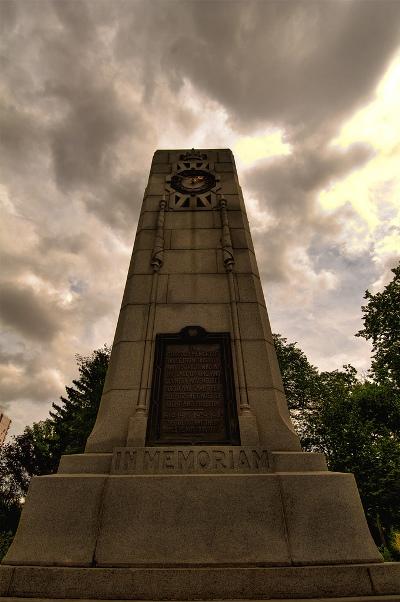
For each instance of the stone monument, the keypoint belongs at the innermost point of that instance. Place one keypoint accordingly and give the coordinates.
(193, 484)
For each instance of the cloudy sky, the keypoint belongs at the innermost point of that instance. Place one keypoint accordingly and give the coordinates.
(306, 94)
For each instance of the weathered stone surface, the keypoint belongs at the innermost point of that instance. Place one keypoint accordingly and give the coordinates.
(145, 239)
(5, 579)
(274, 427)
(138, 289)
(201, 522)
(198, 288)
(132, 323)
(205, 238)
(59, 523)
(298, 462)
(85, 464)
(386, 578)
(172, 317)
(125, 366)
(224, 167)
(176, 220)
(249, 288)
(189, 261)
(141, 262)
(111, 427)
(325, 519)
(160, 156)
(252, 322)
(328, 583)
(257, 363)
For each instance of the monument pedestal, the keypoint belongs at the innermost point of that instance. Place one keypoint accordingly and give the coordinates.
(190, 523)
(193, 485)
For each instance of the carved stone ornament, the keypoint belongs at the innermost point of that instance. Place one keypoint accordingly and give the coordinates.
(192, 183)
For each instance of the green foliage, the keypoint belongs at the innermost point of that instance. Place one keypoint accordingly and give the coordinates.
(356, 425)
(382, 327)
(38, 450)
(74, 418)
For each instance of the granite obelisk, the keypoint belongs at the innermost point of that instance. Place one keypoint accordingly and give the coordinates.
(193, 484)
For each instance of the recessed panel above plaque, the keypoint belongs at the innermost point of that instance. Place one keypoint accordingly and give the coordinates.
(193, 395)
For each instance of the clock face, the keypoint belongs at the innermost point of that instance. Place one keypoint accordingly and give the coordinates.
(193, 181)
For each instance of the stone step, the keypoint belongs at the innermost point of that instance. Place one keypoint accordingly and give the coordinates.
(356, 582)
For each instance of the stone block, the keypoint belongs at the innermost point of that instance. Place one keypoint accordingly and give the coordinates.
(155, 187)
(138, 289)
(5, 579)
(386, 578)
(244, 262)
(145, 239)
(190, 519)
(125, 366)
(298, 462)
(151, 202)
(160, 168)
(265, 322)
(52, 531)
(257, 364)
(225, 156)
(229, 186)
(232, 198)
(237, 219)
(248, 428)
(190, 262)
(140, 262)
(85, 463)
(224, 167)
(198, 288)
(274, 426)
(325, 519)
(314, 584)
(196, 239)
(132, 323)
(148, 220)
(239, 238)
(252, 322)
(172, 317)
(249, 288)
(160, 156)
(175, 220)
(217, 219)
(111, 427)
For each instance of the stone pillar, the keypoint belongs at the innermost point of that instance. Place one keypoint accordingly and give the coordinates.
(193, 262)
(230, 511)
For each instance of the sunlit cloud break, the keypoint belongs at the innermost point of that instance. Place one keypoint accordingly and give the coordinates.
(252, 148)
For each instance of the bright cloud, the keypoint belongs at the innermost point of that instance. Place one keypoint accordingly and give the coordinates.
(252, 148)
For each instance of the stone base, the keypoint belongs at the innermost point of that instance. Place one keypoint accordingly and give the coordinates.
(264, 519)
(346, 599)
(354, 582)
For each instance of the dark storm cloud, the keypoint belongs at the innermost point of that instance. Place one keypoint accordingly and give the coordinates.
(290, 62)
(27, 312)
(90, 88)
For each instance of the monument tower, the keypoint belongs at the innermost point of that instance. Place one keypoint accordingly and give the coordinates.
(193, 484)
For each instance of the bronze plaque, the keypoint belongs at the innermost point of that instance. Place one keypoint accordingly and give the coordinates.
(192, 397)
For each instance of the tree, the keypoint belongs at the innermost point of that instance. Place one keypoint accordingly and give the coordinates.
(74, 418)
(382, 327)
(38, 450)
(355, 424)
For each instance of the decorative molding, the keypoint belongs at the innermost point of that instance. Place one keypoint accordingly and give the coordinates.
(227, 249)
(157, 256)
